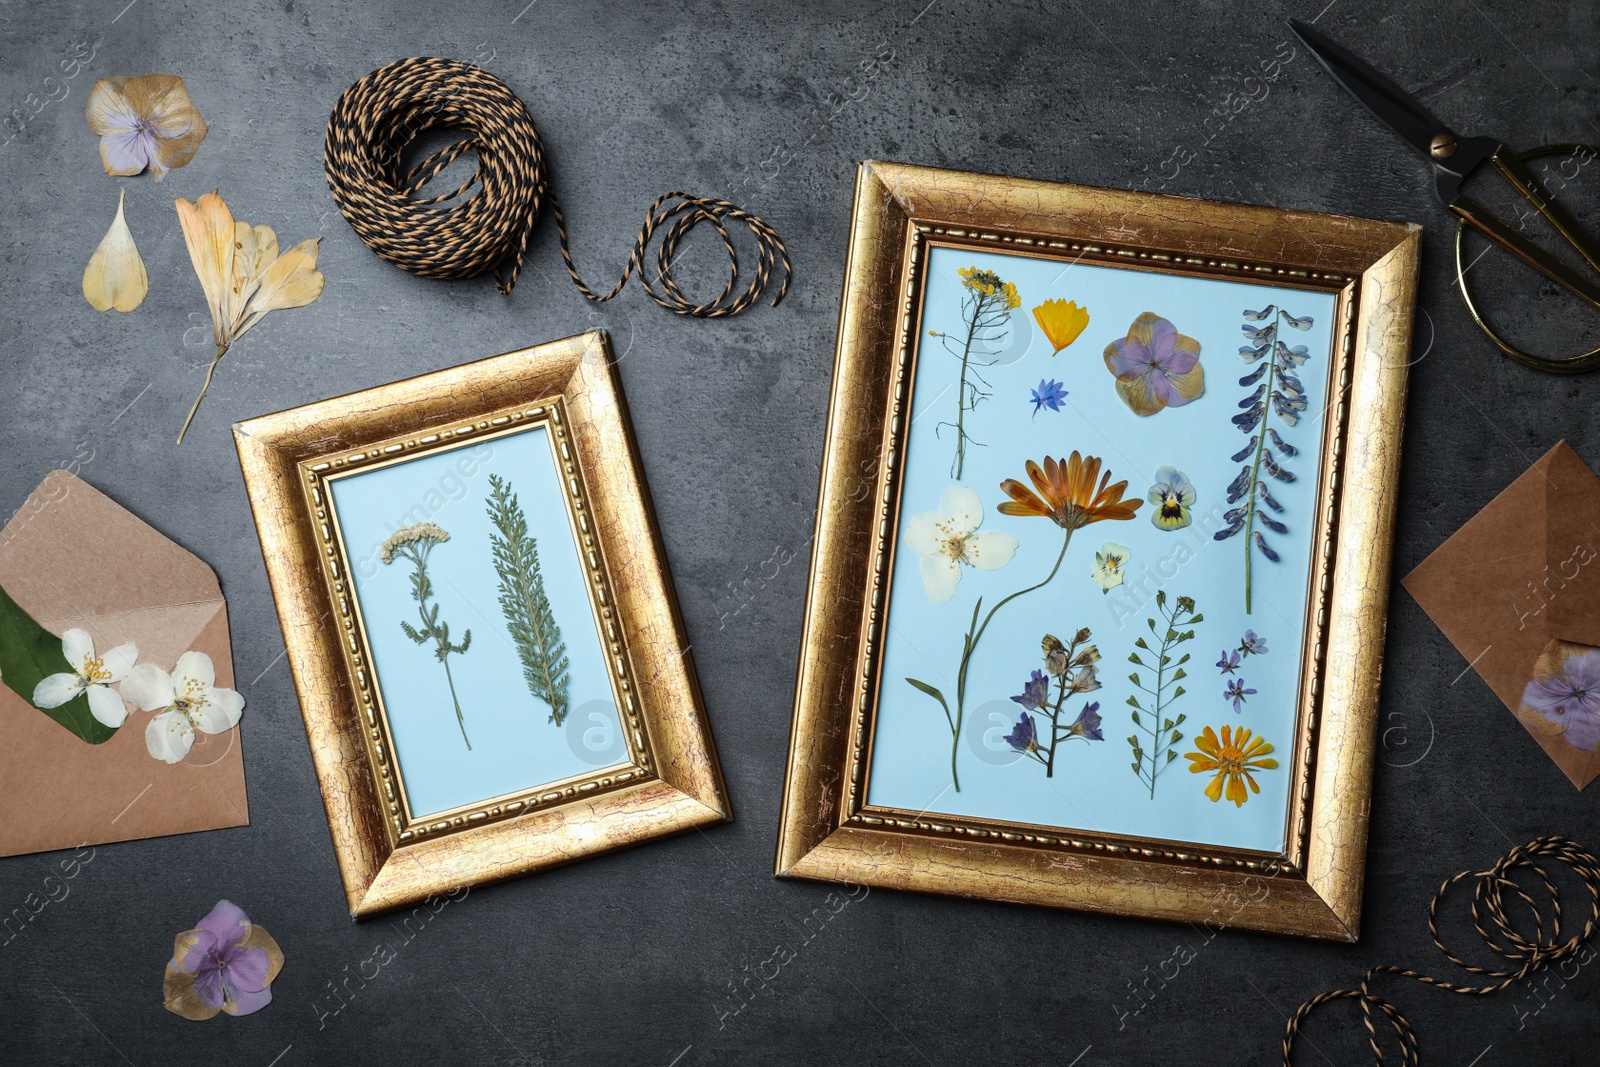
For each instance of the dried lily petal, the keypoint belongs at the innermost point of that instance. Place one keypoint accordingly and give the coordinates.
(144, 122)
(208, 230)
(115, 276)
(253, 248)
(290, 281)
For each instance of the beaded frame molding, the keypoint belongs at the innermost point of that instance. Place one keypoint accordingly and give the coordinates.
(669, 780)
(828, 831)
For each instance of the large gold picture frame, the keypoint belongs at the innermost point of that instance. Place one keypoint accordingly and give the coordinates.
(828, 830)
(668, 780)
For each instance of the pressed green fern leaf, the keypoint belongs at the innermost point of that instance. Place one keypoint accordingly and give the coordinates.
(529, 620)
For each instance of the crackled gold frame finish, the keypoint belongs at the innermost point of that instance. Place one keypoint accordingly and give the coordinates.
(827, 831)
(670, 781)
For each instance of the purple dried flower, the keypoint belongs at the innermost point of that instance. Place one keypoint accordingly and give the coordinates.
(1570, 698)
(1025, 735)
(1236, 692)
(1035, 692)
(224, 964)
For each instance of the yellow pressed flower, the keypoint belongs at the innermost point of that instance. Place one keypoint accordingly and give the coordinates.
(144, 122)
(1013, 301)
(1231, 759)
(242, 274)
(115, 276)
(1062, 322)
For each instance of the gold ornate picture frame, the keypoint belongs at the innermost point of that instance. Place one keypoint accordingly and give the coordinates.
(936, 359)
(503, 496)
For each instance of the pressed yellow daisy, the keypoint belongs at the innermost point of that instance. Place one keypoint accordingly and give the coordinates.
(1231, 760)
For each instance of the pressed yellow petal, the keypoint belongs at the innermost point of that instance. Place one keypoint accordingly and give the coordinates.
(1236, 791)
(115, 276)
(1214, 790)
(208, 231)
(290, 281)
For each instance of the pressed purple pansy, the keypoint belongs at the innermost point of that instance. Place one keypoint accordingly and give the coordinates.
(226, 963)
(1025, 735)
(1049, 394)
(1570, 698)
(1156, 366)
(1252, 645)
(1229, 662)
(1236, 692)
(1035, 692)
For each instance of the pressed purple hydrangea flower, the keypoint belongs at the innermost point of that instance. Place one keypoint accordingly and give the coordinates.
(1035, 693)
(1025, 735)
(1570, 698)
(226, 963)
(1155, 366)
(1236, 692)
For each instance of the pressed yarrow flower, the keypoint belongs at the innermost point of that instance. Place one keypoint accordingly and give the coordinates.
(420, 531)
(144, 122)
(242, 274)
(1062, 322)
(1231, 759)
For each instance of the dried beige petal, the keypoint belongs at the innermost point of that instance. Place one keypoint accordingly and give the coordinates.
(290, 281)
(254, 247)
(208, 230)
(115, 276)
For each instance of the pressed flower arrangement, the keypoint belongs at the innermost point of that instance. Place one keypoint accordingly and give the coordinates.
(931, 749)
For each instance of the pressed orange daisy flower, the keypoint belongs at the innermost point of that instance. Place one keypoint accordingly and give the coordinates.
(1231, 760)
(1067, 494)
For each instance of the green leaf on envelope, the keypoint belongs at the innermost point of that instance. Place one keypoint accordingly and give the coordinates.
(29, 652)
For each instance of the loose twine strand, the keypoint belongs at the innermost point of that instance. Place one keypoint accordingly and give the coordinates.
(1525, 955)
(380, 116)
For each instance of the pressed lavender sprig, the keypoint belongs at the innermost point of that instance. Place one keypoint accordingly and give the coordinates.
(1277, 391)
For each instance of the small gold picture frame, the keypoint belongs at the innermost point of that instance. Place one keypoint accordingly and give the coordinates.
(481, 626)
(950, 481)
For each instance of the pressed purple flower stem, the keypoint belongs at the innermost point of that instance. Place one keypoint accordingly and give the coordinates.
(221, 351)
(1255, 467)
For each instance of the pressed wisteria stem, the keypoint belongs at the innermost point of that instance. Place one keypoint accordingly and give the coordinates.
(1276, 391)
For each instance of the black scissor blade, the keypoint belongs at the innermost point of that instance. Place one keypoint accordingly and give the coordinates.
(1416, 125)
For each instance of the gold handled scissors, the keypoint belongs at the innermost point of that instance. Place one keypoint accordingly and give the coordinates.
(1455, 158)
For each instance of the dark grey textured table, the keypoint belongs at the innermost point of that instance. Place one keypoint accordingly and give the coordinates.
(633, 957)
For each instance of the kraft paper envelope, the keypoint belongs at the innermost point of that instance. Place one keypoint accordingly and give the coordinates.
(71, 557)
(1523, 572)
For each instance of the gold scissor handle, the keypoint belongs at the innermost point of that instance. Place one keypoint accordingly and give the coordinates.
(1512, 166)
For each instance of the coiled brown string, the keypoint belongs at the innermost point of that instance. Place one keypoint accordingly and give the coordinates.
(1525, 955)
(379, 116)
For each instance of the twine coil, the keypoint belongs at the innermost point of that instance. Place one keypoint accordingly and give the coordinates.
(381, 115)
(1523, 954)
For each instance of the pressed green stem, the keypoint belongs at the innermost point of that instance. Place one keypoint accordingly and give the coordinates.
(460, 721)
(974, 635)
(222, 350)
(961, 393)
